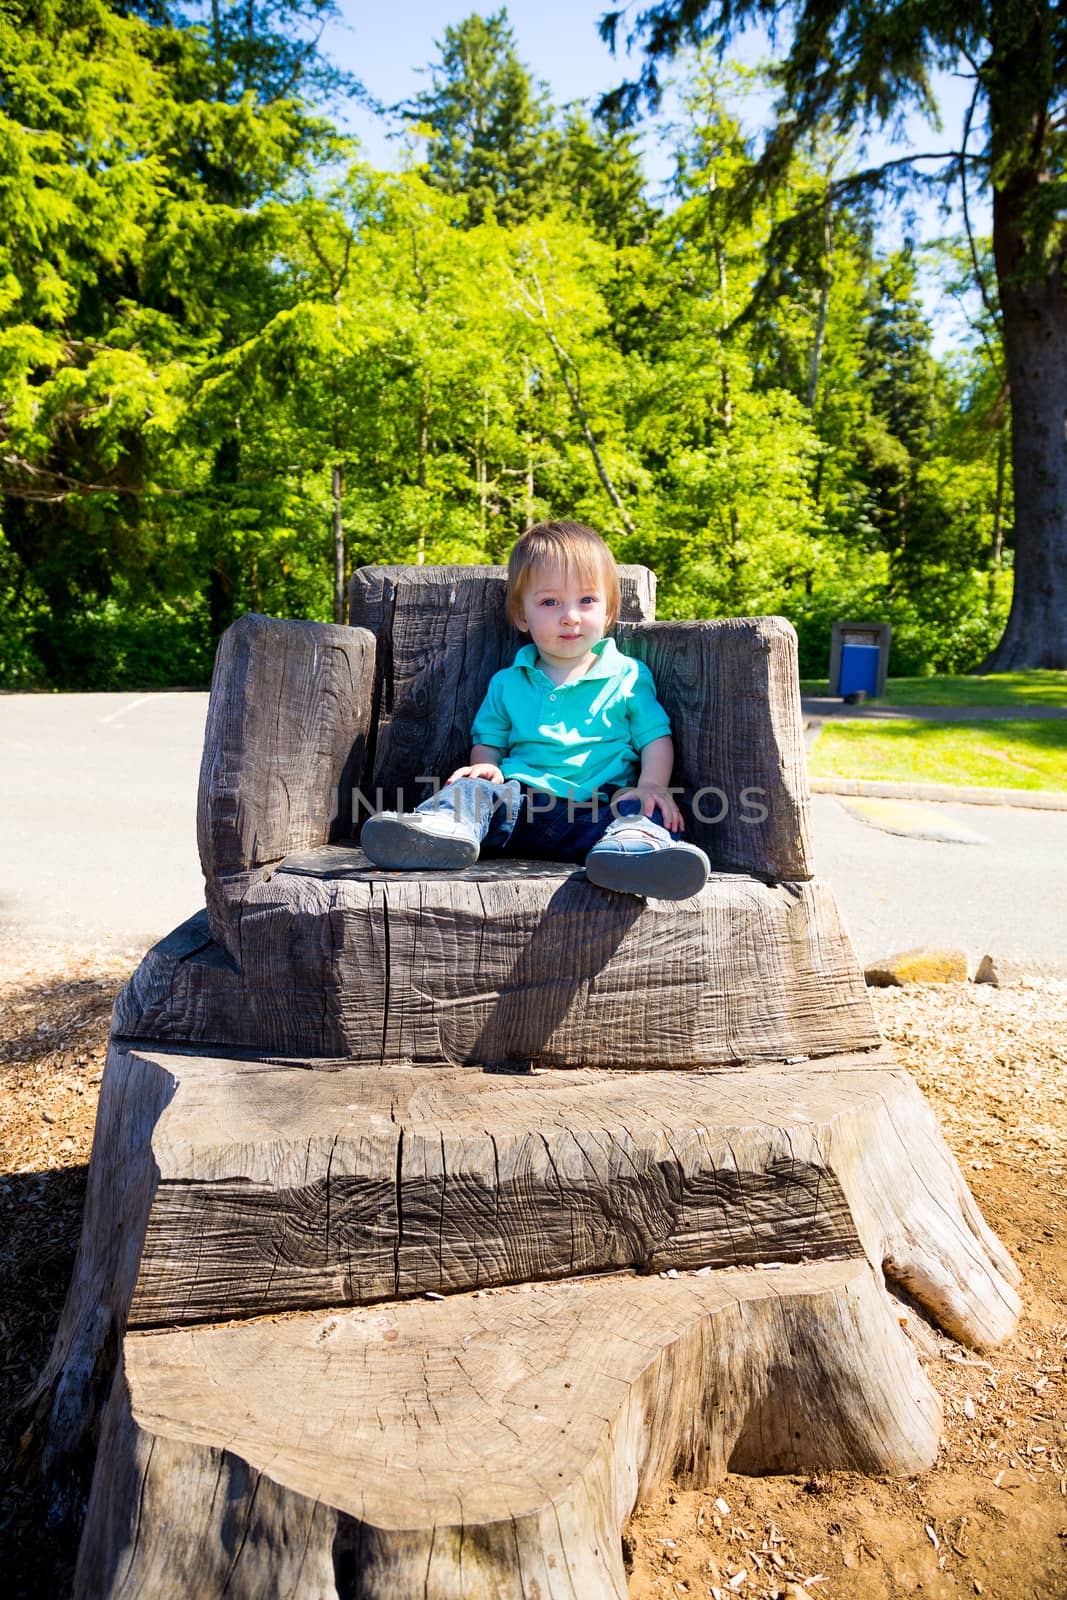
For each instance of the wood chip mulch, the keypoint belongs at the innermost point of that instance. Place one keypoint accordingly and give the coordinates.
(990, 1519)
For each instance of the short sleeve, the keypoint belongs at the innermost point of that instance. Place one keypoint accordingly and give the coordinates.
(492, 724)
(646, 716)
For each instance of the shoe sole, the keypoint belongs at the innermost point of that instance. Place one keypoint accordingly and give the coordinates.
(675, 874)
(395, 846)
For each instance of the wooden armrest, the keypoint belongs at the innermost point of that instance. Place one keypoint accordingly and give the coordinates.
(733, 696)
(287, 729)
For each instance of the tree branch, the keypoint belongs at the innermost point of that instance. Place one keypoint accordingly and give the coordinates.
(978, 273)
(572, 383)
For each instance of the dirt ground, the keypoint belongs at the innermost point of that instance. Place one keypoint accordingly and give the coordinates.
(989, 1519)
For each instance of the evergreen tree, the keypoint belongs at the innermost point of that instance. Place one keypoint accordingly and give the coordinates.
(136, 248)
(490, 135)
(599, 178)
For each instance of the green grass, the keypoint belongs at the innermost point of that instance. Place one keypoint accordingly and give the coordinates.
(996, 755)
(1021, 689)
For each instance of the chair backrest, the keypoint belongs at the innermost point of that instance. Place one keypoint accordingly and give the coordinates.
(442, 632)
(730, 688)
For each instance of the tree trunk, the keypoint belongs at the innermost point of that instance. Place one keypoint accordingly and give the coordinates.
(819, 340)
(1035, 346)
(1033, 299)
(998, 508)
(340, 597)
(424, 444)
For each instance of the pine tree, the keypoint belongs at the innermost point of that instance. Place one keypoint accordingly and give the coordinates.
(599, 178)
(490, 134)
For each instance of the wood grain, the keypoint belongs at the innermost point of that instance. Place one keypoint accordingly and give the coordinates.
(281, 1188)
(483, 1447)
(733, 696)
(500, 963)
(491, 1444)
(287, 728)
(222, 1187)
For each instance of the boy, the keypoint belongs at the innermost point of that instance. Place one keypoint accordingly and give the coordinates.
(560, 732)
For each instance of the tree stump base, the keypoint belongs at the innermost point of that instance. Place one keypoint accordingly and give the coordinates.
(502, 1433)
(486, 1445)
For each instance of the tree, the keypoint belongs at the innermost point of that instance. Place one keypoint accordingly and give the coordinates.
(860, 64)
(489, 123)
(599, 178)
(138, 247)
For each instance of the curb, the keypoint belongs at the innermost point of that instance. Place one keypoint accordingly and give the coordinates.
(1026, 799)
(830, 710)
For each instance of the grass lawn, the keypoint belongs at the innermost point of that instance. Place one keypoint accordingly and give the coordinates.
(997, 689)
(996, 755)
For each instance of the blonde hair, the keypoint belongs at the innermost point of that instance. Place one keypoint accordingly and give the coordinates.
(570, 546)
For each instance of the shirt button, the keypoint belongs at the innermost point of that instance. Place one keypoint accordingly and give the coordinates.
(551, 697)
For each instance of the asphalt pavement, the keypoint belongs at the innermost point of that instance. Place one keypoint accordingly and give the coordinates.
(98, 801)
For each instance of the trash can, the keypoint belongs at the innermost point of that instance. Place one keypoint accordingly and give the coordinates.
(859, 658)
(859, 669)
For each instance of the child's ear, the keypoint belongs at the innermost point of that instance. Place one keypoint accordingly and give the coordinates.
(520, 623)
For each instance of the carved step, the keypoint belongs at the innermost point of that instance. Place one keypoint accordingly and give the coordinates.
(281, 1187)
(220, 1188)
(482, 1446)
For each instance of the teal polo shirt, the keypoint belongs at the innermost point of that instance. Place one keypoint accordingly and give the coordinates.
(573, 738)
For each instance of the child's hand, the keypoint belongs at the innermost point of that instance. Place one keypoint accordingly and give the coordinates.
(652, 795)
(480, 769)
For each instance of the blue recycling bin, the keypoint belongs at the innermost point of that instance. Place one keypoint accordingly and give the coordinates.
(859, 669)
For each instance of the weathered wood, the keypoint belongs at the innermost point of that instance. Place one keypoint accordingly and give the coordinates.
(287, 729)
(371, 1445)
(497, 963)
(733, 696)
(222, 1188)
(281, 1188)
(483, 1447)
(442, 632)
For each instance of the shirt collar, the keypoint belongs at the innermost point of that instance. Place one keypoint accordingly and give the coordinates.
(605, 665)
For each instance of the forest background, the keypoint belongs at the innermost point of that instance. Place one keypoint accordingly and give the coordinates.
(236, 361)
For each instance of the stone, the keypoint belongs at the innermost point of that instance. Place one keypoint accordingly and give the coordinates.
(925, 964)
(999, 970)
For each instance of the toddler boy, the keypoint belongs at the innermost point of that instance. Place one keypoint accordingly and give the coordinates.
(559, 740)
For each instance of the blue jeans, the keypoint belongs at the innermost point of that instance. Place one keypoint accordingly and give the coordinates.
(512, 819)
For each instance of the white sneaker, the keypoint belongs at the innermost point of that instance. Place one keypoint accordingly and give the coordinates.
(408, 840)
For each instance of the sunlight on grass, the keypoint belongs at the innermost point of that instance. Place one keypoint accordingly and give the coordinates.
(997, 689)
(998, 755)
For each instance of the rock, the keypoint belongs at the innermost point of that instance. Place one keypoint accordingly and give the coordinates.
(1000, 970)
(927, 964)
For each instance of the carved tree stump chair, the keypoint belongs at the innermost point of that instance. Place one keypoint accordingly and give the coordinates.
(434, 1218)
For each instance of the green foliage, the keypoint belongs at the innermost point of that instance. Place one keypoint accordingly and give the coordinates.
(220, 336)
(118, 647)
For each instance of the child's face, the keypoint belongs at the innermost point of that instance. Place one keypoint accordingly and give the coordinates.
(564, 615)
